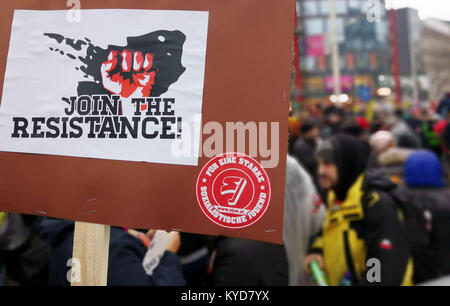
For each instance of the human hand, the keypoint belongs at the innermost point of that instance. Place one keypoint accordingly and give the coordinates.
(128, 73)
(313, 257)
(174, 240)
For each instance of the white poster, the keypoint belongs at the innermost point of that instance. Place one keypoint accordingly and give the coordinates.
(115, 84)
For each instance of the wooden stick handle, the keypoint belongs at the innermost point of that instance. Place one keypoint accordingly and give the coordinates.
(90, 252)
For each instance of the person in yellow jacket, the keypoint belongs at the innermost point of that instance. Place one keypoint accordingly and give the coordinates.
(362, 221)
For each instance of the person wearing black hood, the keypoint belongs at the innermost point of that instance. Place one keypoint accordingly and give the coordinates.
(363, 225)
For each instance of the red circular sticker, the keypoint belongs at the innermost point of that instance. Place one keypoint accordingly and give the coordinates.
(233, 190)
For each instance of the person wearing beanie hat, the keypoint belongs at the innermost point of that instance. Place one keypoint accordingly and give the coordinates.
(362, 221)
(425, 189)
(423, 169)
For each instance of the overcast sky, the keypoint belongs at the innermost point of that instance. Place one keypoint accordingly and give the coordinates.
(427, 8)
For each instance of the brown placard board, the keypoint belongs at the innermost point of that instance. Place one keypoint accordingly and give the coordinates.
(246, 79)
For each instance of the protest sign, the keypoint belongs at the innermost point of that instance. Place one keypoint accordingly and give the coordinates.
(164, 114)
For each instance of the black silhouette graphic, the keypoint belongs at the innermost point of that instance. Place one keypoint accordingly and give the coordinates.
(146, 67)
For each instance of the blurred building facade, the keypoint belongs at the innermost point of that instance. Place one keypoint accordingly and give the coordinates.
(425, 56)
(364, 48)
(436, 56)
(414, 81)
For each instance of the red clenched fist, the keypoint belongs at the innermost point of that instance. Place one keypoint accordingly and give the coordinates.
(128, 73)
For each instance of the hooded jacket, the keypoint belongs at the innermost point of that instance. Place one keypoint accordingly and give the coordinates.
(124, 261)
(350, 155)
(363, 226)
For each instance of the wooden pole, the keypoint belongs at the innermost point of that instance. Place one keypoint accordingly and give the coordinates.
(90, 252)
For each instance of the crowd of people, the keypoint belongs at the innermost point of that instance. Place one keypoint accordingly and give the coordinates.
(384, 183)
(357, 189)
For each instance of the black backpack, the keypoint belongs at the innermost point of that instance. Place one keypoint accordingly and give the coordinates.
(427, 222)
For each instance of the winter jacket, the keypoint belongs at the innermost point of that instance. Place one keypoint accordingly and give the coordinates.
(435, 205)
(23, 252)
(366, 225)
(242, 262)
(126, 254)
